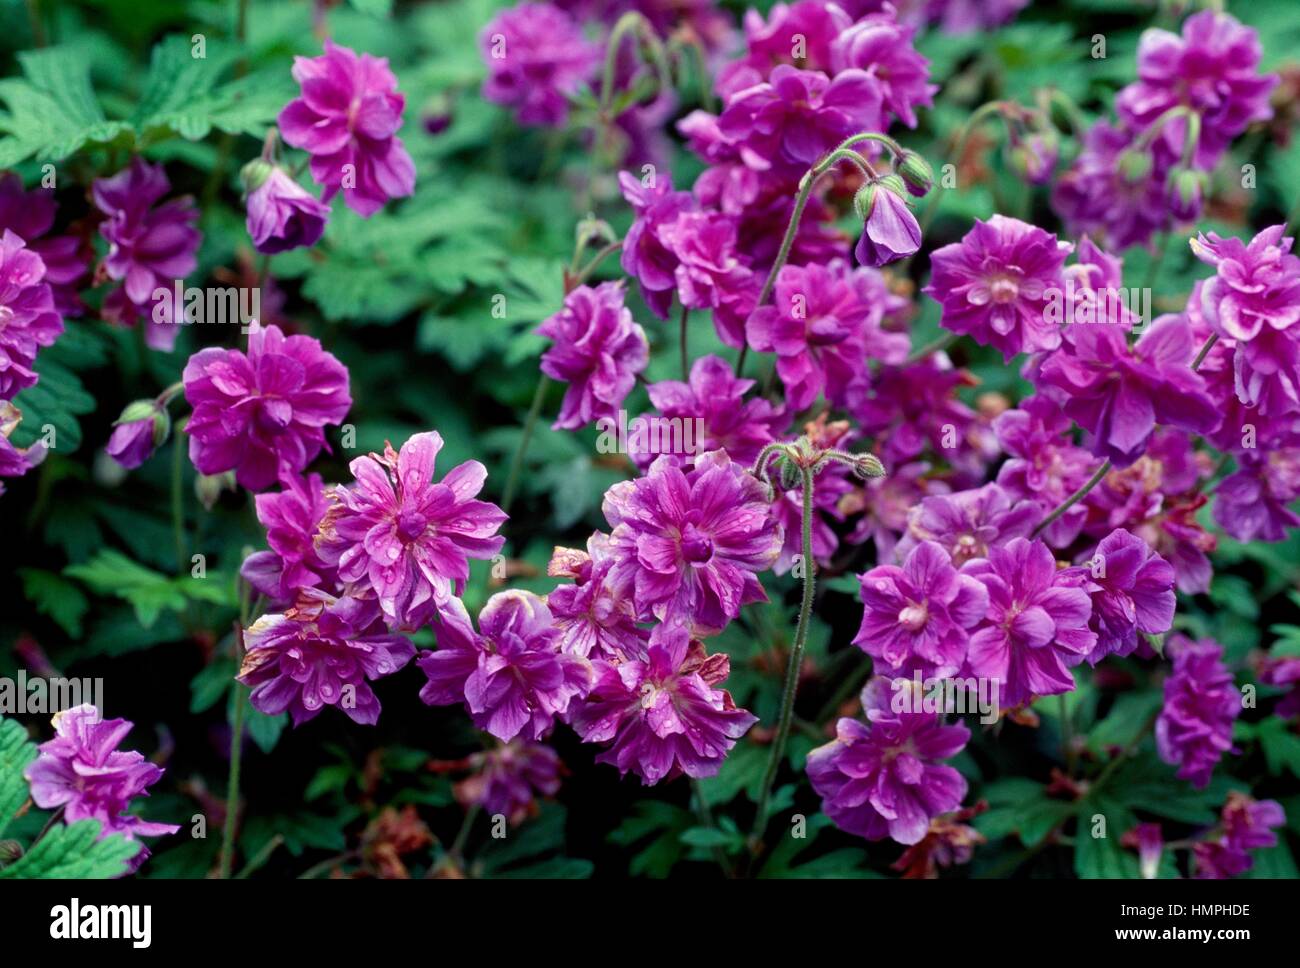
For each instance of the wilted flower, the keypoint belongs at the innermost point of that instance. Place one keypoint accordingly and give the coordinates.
(263, 414)
(28, 319)
(537, 58)
(692, 542)
(410, 539)
(917, 617)
(663, 715)
(949, 841)
(148, 248)
(322, 652)
(511, 675)
(347, 118)
(282, 215)
(1194, 728)
(884, 778)
(997, 283)
(598, 351)
(82, 770)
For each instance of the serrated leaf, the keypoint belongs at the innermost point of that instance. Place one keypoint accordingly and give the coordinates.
(55, 402)
(16, 751)
(56, 597)
(113, 573)
(76, 852)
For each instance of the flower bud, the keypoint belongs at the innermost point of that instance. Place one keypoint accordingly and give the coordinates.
(208, 487)
(791, 477)
(1034, 157)
(1185, 189)
(10, 851)
(867, 466)
(1135, 164)
(143, 426)
(916, 173)
(254, 174)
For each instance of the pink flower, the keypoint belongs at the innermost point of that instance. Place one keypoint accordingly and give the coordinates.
(537, 58)
(263, 414)
(28, 319)
(292, 519)
(511, 675)
(321, 652)
(282, 215)
(31, 215)
(347, 118)
(406, 537)
(598, 351)
(663, 715)
(882, 47)
(148, 248)
(508, 779)
(1132, 590)
(596, 616)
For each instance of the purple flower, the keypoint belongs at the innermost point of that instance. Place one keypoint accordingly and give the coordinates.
(282, 215)
(810, 26)
(967, 524)
(663, 715)
(148, 248)
(647, 254)
(1194, 728)
(1044, 466)
(916, 618)
(82, 770)
(818, 327)
(511, 675)
(292, 519)
(1283, 671)
(31, 215)
(263, 414)
(143, 426)
(1254, 300)
(884, 778)
(884, 49)
(1100, 197)
(508, 778)
(15, 461)
(1132, 591)
(1037, 622)
(787, 123)
(1245, 825)
(890, 231)
(1211, 69)
(322, 652)
(692, 542)
(710, 272)
(598, 351)
(1254, 503)
(1119, 392)
(996, 285)
(596, 616)
(715, 397)
(410, 539)
(347, 120)
(536, 58)
(28, 319)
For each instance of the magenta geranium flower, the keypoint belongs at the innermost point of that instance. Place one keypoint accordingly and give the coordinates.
(1098, 197)
(692, 542)
(810, 26)
(1118, 392)
(1254, 503)
(818, 325)
(1037, 622)
(1244, 825)
(883, 48)
(31, 216)
(596, 615)
(710, 273)
(1132, 590)
(996, 283)
(83, 771)
(1212, 68)
(917, 617)
(889, 232)
(347, 119)
(884, 778)
(511, 675)
(28, 318)
(598, 351)
(967, 524)
(663, 715)
(715, 397)
(292, 518)
(149, 248)
(537, 58)
(647, 252)
(407, 537)
(1194, 728)
(509, 778)
(321, 652)
(282, 215)
(263, 414)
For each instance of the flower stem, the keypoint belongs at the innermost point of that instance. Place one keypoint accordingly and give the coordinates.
(942, 343)
(685, 356)
(178, 502)
(232, 782)
(530, 424)
(1073, 499)
(1204, 351)
(794, 665)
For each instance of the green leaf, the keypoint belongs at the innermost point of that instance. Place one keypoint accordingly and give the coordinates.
(56, 597)
(263, 729)
(74, 851)
(113, 573)
(210, 685)
(56, 402)
(16, 751)
(1281, 746)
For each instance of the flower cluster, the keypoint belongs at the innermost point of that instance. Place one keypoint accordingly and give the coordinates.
(1201, 703)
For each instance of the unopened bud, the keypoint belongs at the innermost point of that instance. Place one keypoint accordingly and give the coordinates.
(208, 487)
(867, 466)
(1185, 188)
(916, 173)
(1135, 165)
(254, 174)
